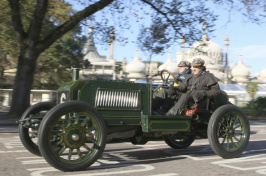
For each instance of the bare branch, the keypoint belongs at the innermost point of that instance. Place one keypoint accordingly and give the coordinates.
(38, 16)
(16, 19)
(162, 13)
(73, 21)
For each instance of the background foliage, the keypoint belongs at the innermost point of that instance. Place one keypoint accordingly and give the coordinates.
(31, 31)
(256, 107)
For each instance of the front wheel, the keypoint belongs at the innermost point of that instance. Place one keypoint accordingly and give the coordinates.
(228, 131)
(72, 136)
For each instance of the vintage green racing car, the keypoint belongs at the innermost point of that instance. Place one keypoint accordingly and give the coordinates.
(71, 134)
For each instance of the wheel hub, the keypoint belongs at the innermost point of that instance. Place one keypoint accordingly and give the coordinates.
(230, 131)
(75, 136)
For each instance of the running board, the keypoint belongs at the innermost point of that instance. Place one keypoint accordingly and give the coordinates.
(159, 123)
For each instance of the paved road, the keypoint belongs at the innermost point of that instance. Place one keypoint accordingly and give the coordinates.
(152, 159)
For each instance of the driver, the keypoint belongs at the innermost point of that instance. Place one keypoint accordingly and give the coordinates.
(162, 102)
(183, 71)
(196, 88)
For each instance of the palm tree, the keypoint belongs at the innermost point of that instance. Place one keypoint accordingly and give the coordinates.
(252, 89)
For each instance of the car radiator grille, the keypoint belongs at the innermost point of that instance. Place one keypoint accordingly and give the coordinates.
(117, 99)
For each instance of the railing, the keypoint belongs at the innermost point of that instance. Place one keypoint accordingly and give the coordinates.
(36, 96)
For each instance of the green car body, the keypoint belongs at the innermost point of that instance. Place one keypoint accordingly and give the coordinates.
(123, 104)
(90, 113)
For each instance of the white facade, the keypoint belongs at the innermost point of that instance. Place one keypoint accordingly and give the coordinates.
(100, 67)
(232, 79)
(216, 61)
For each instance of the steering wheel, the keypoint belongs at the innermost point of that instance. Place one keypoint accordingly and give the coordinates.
(168, 77)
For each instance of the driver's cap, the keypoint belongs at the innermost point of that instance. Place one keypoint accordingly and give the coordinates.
(184, 64)
(198, 62)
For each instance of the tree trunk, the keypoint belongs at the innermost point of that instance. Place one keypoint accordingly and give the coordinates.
(31, 46)
(23, 82)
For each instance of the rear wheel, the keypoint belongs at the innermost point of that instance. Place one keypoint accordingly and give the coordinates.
(29, 125)
(228, 131)
(138, 140)
(79, 132)
(179, 141)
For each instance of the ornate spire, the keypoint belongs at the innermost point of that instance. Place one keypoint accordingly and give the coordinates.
(90, 51)
(205, 27)
(240, 59)
(226, 43)
(169, 55)
(111, 44)
(90, 41)
(205, 36)
(137, 54)
(183, 40)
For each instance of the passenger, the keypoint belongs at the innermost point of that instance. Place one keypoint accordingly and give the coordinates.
(197, 87)
(162, 101)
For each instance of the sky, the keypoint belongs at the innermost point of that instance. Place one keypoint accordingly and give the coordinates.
(246, 41)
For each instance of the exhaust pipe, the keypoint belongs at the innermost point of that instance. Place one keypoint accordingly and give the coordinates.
(75, 75)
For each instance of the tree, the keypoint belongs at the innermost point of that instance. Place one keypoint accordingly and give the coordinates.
(66, 52)
(33, 39)
(252, 89)
(31, 19)
(53, 67)
(8, 44)
(256, 107)
(252, 10)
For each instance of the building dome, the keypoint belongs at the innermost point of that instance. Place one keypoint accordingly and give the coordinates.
(208, 48)
(211, 53)
(262, 75)
(136, 68)
(240, 72)
(173, 68)
(169, 65)
(165, 65)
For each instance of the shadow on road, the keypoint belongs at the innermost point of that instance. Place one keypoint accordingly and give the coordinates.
(137, 156)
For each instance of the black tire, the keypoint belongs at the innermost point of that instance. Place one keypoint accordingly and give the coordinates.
(28, 134)
(80, 132)
(138, 140)
(179, 141)
(228, 131)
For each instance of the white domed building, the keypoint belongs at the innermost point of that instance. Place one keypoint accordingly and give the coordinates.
(261, 77)
(240, 73)
(136, 70)
(233, 79)
(99, 67)
(210, 52)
